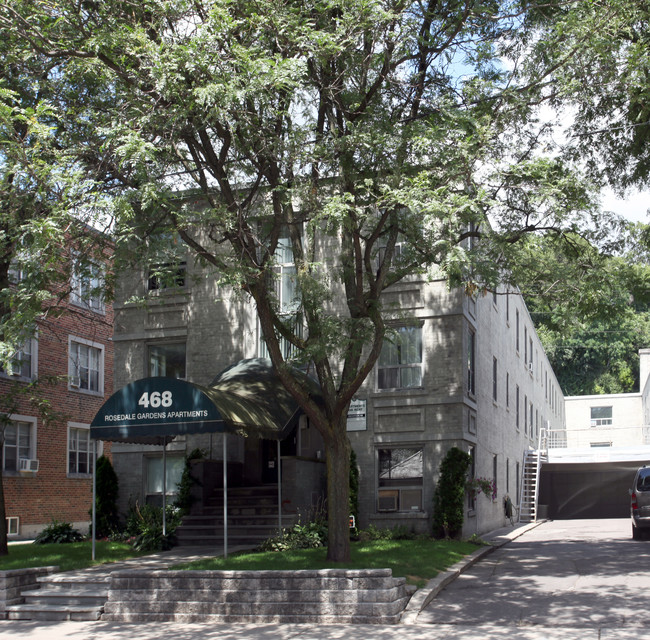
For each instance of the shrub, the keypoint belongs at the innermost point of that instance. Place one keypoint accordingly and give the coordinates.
(144, 527)
(106, 518)
(58, 533)
(184, 497)
(449, 496)
(300, 536)
(399, 532)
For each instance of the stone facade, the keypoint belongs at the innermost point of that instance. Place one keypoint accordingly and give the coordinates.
(483, 383)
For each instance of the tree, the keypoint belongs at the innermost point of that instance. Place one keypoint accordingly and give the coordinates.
(363, 142)
(598, 54)
(449, 496)
(44, 211)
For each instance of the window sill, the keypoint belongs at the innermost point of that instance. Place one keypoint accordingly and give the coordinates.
(86, 392)
(79, 476)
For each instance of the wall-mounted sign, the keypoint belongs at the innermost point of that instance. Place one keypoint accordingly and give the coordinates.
(357, 415)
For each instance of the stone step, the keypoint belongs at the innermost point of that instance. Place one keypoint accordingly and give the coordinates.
(53, 613)
(65, 597)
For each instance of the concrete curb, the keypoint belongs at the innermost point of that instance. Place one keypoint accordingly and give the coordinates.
(423, 597)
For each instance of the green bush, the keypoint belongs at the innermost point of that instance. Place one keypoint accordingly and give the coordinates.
(300, 536)
(449, 496)
(58, 533)
(106, 518)
(184, 497)
(399, 532)
(144, 527)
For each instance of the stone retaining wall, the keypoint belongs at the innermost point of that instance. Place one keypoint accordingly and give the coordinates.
(370, 596)
(15, 581)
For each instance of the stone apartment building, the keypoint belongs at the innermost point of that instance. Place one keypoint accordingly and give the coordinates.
(47, 459)
(456, 371)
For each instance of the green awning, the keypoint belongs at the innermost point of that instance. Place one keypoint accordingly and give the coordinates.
(246, 398)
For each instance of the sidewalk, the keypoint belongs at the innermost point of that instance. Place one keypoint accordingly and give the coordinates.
(406, 630)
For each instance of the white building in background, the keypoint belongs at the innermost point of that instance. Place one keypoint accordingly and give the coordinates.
(609, 427)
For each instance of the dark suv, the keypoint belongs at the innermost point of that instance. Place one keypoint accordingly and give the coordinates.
(640, 502)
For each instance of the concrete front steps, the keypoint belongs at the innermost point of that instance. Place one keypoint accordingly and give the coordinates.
(252, 518)
(63, 597)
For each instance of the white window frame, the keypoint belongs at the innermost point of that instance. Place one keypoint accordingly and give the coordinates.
(80, 427)
(33, 452)
(86, 285)
(74, 377)
(14, 371)
(601, 422)
(402, 366)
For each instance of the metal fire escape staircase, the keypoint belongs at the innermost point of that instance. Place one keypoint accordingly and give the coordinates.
(528, 499)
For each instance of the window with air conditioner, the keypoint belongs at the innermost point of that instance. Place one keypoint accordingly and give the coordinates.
(399, 479)
(19, 445)
(601, 416)
(23, 363)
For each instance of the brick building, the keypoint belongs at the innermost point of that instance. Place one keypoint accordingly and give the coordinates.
(47, 457)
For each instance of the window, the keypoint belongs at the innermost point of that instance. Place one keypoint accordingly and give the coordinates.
(400, 361)
(399, 479)
(517, 329)
(530, 419)
(525, 345)
(508, 390)
(494, 379)
(154, 471)
(167, 275)
(79, 449)
(287, 295)
(167, 360)
(24, 362)
(13, 525)
(525, 414)
(601, 416)
(517, 407)
(20, 443)
(471, 363)
(86, 368)
(87, 285)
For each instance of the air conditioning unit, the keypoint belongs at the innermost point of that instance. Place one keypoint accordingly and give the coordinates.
(28, 465)
(387, 503)
(74, 382)
(530, 367)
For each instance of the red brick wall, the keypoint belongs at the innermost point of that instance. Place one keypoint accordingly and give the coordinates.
(38, 498)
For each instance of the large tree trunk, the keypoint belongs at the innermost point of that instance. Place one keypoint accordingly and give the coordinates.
(337, 448)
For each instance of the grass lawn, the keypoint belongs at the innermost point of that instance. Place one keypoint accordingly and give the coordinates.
(416, 560)
(75, 555)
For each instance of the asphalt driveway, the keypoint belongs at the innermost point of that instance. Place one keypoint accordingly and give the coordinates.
(564, 573)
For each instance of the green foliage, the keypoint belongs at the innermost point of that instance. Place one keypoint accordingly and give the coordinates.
(449, 495)
(184, 498)
(68, 557)
(345, 120)
(486, 486)
(300, 536)
(398, 532)
(144, 526)
(58, 533)
(107, 488)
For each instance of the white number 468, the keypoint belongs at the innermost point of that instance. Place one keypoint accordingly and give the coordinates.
(155, 399)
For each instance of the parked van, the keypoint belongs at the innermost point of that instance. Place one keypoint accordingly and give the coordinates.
(640, 503)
